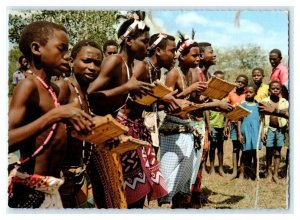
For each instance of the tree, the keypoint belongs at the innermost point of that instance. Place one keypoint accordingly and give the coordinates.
(241, 60)
(13, 65)
(80, 24)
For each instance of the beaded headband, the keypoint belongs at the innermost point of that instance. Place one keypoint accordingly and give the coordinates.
(187, 42)
(159, 39)
(139, 24)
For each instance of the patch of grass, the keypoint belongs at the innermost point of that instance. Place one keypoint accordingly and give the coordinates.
(223, 193)
(247, 193)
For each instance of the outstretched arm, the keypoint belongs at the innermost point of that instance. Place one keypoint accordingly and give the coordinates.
(111, 69)
(267, 109)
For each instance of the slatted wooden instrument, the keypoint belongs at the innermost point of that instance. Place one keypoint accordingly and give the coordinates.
(218, 88)
(237, 113)
(187, 107)
(124, 143)
(106, 128)
(109, 133)
(158, 91)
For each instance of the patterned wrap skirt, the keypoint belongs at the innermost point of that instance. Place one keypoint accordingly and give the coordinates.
(106, 176)
(33, 186)
(141, 170)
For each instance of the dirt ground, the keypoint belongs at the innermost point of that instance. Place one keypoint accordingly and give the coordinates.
(222, 193)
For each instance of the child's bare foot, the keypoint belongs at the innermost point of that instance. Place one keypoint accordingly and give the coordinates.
(166, 206)
(212, 171)
(241, 177)
(221, 172)
(233, 176)
(275, 178)
(268, 176)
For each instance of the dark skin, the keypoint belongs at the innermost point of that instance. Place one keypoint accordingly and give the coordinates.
(162, 57)
(32, 114)
(241, 83)
(274, 59)
(257, 77)
(250, 94)
(86, 68)
(267, 109)
(207, 59)
(275, 91)
(113, 80)
(221, 76)
(249, 97)
(111, 49)
(173, 80)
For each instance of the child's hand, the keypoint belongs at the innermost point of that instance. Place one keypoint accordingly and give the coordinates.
(171, 101)
(226, 131)
(197, 87)
(80, 120)
(241, 139)
(224, 106)
(138, 88)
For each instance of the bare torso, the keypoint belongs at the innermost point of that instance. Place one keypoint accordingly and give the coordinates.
(38, 103)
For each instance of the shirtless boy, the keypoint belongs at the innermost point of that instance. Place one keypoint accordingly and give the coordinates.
(37, 121)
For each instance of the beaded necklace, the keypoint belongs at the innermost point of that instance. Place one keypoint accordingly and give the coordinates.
(50, 135)
(155, 69)
(183, 80)
(86, 159)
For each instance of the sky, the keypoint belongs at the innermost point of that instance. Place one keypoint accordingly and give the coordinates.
(268, 29)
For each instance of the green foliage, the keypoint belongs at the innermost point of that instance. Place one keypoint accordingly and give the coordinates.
(80, 24)
(13, 66)
(241, 60)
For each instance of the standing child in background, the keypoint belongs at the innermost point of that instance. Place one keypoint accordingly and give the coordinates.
(216, 135)
(248, 132)
(261, 88)
(235, 97)
(275, 128)
(37, 121)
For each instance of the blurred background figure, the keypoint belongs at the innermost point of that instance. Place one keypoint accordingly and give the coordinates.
(110, 47)
(19, 75)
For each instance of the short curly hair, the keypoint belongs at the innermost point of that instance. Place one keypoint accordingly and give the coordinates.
(37, 31)
(77, 47)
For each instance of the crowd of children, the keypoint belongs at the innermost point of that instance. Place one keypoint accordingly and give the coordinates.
(56, 170)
